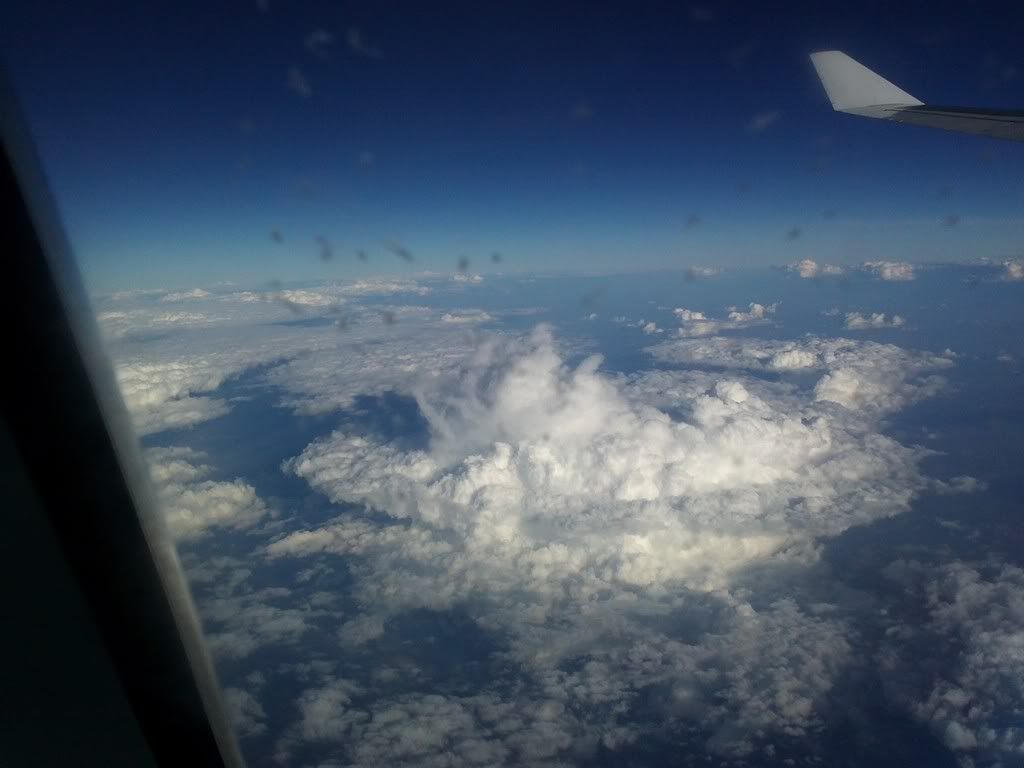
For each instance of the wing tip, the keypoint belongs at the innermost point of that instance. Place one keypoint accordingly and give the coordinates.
(852, 87)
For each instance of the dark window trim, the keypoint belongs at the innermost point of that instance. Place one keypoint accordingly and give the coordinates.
(66, 418)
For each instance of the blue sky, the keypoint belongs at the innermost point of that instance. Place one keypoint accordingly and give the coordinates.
(573, 138)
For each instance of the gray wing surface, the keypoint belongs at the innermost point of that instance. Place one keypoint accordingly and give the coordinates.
(856, 90)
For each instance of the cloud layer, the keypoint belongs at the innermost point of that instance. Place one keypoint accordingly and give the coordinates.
(580, 516)
(193, 504)
(975, 616)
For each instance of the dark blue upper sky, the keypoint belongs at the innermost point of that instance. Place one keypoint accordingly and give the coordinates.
(568, 136)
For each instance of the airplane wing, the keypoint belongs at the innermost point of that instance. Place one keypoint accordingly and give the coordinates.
(856, 90)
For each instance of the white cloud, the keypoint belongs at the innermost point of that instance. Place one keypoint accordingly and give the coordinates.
(169, 383)
(121, 323)
(239, 619)
(246, 296)
(171, 364)
(137, 293)
(890, 270)
(959, 484)
(1013, 270)
(300, 298)
(431, 729)
(195, 293)
(856, 321)
(698, 324)
(695, 272)
(463, 277)
(371, 360)
(161, 396)
(757, 312)
(191, 504)
(361, 630)
(304, 298)
(332, 293)
(558, 505)
(808, 268)
(325, 712)
(863, 376)
(650, 327)
(238, 625)
(973, 690)
(382, 288)
(573, 513)
(467, 316)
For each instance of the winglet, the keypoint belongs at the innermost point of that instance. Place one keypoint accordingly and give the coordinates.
(852, 87)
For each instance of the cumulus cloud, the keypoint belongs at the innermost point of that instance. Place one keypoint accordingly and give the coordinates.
(570, 512)
(808, 268)
(1013, 270)
(241, 616)
(420, 729)
(973, 686)
(856, 321)
(698, 272)
(304, 298)
(163, 396)
(294, 298)
(605, 528)
(191, 503)
(698, 324)
(860, 375)
(238, 625)
(890, 270)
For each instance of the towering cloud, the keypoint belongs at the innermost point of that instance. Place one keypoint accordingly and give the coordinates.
(568, 511)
